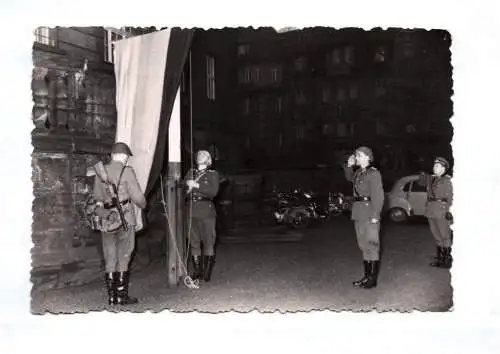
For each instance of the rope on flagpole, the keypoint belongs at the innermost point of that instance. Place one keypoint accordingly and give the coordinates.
(188, 281)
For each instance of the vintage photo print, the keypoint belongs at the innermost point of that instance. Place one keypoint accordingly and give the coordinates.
(196, 172)
(239, 168)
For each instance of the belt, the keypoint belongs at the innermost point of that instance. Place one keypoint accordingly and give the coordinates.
(362, 199)
(200, 199)
(110, 206)
(438, 200)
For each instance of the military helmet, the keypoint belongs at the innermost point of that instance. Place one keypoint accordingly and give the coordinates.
(121, 148)
(203, 157)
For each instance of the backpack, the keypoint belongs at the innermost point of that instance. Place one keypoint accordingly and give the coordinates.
(97, 217)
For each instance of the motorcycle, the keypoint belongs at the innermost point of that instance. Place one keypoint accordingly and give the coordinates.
(276, 202)
(308, 207)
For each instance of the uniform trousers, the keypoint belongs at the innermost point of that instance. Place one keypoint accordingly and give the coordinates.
(117, 248)
(202, 231)
(441, 231)
(367, 234)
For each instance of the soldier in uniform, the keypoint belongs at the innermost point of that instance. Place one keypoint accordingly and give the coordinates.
(119, 245)
(203, 187)
(367, 205)
(437, 210)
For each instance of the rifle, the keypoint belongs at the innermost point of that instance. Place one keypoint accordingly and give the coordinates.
(115, 200)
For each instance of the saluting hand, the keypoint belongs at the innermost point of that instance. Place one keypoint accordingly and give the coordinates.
(351, 161)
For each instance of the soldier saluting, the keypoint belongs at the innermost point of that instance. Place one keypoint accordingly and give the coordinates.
(118, 233)
(368, 196)
(203, 186)
(437, 210)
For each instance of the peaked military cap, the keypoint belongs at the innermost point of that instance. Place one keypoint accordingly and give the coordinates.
(442, 161)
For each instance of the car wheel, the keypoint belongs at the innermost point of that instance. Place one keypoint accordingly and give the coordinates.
(397, 215)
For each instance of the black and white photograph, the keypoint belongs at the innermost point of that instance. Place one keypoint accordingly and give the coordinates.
(269, 176)
(242, 168)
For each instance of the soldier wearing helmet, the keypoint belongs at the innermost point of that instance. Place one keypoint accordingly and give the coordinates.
(119, 244)
(368, 196)
(202, 187)
(437, 210)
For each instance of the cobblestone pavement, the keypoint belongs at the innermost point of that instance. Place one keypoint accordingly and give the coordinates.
(315, 273)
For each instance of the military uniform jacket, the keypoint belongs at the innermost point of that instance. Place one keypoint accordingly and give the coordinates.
(201, 199)
(129, 189)
(439, 195)
(366, 183)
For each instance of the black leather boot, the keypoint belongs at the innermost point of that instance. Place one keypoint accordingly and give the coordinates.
(447, 259)
(438, 262)
(373, 270)
(122, 297)
(208, 265)
(110, 279)
(197, 268)
(365, 277)
(438, 251)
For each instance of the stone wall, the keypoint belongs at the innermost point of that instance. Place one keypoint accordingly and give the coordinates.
(74, 127)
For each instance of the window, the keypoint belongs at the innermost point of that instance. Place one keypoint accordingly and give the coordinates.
(244, 75)
(274, 74)
(380, 89)
(336, 56)
(380, 55)
(353, 92)
(418, 188)
(381, 130)
(300, 98)
(243, 49)
(256, 74)
(407, 187)
(299, 132)
(112, 35)
(300, 64)
(211, 78)
(349, 55)
(325, 94)
(43, 36)
(340, 94)
(353, 128)
(279, 105)
(326, 129)
(246, 106)
(262, 104)
(341, 129)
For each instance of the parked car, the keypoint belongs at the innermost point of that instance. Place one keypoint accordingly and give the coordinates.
(406, 198)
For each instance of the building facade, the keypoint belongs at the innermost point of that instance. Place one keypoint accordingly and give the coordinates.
(300, 101)
(74, 118)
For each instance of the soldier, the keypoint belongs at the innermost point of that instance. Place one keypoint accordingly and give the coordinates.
(437, 210)
(119, 244)
(203, 186)
(367, 205)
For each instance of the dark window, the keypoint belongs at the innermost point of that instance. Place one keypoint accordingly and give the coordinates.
(417, 187)
(211, 78)
(407, 187)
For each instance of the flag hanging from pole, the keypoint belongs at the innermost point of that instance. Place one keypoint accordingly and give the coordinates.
(148, 69)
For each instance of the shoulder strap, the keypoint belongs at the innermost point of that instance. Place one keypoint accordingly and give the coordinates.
(115, 187)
